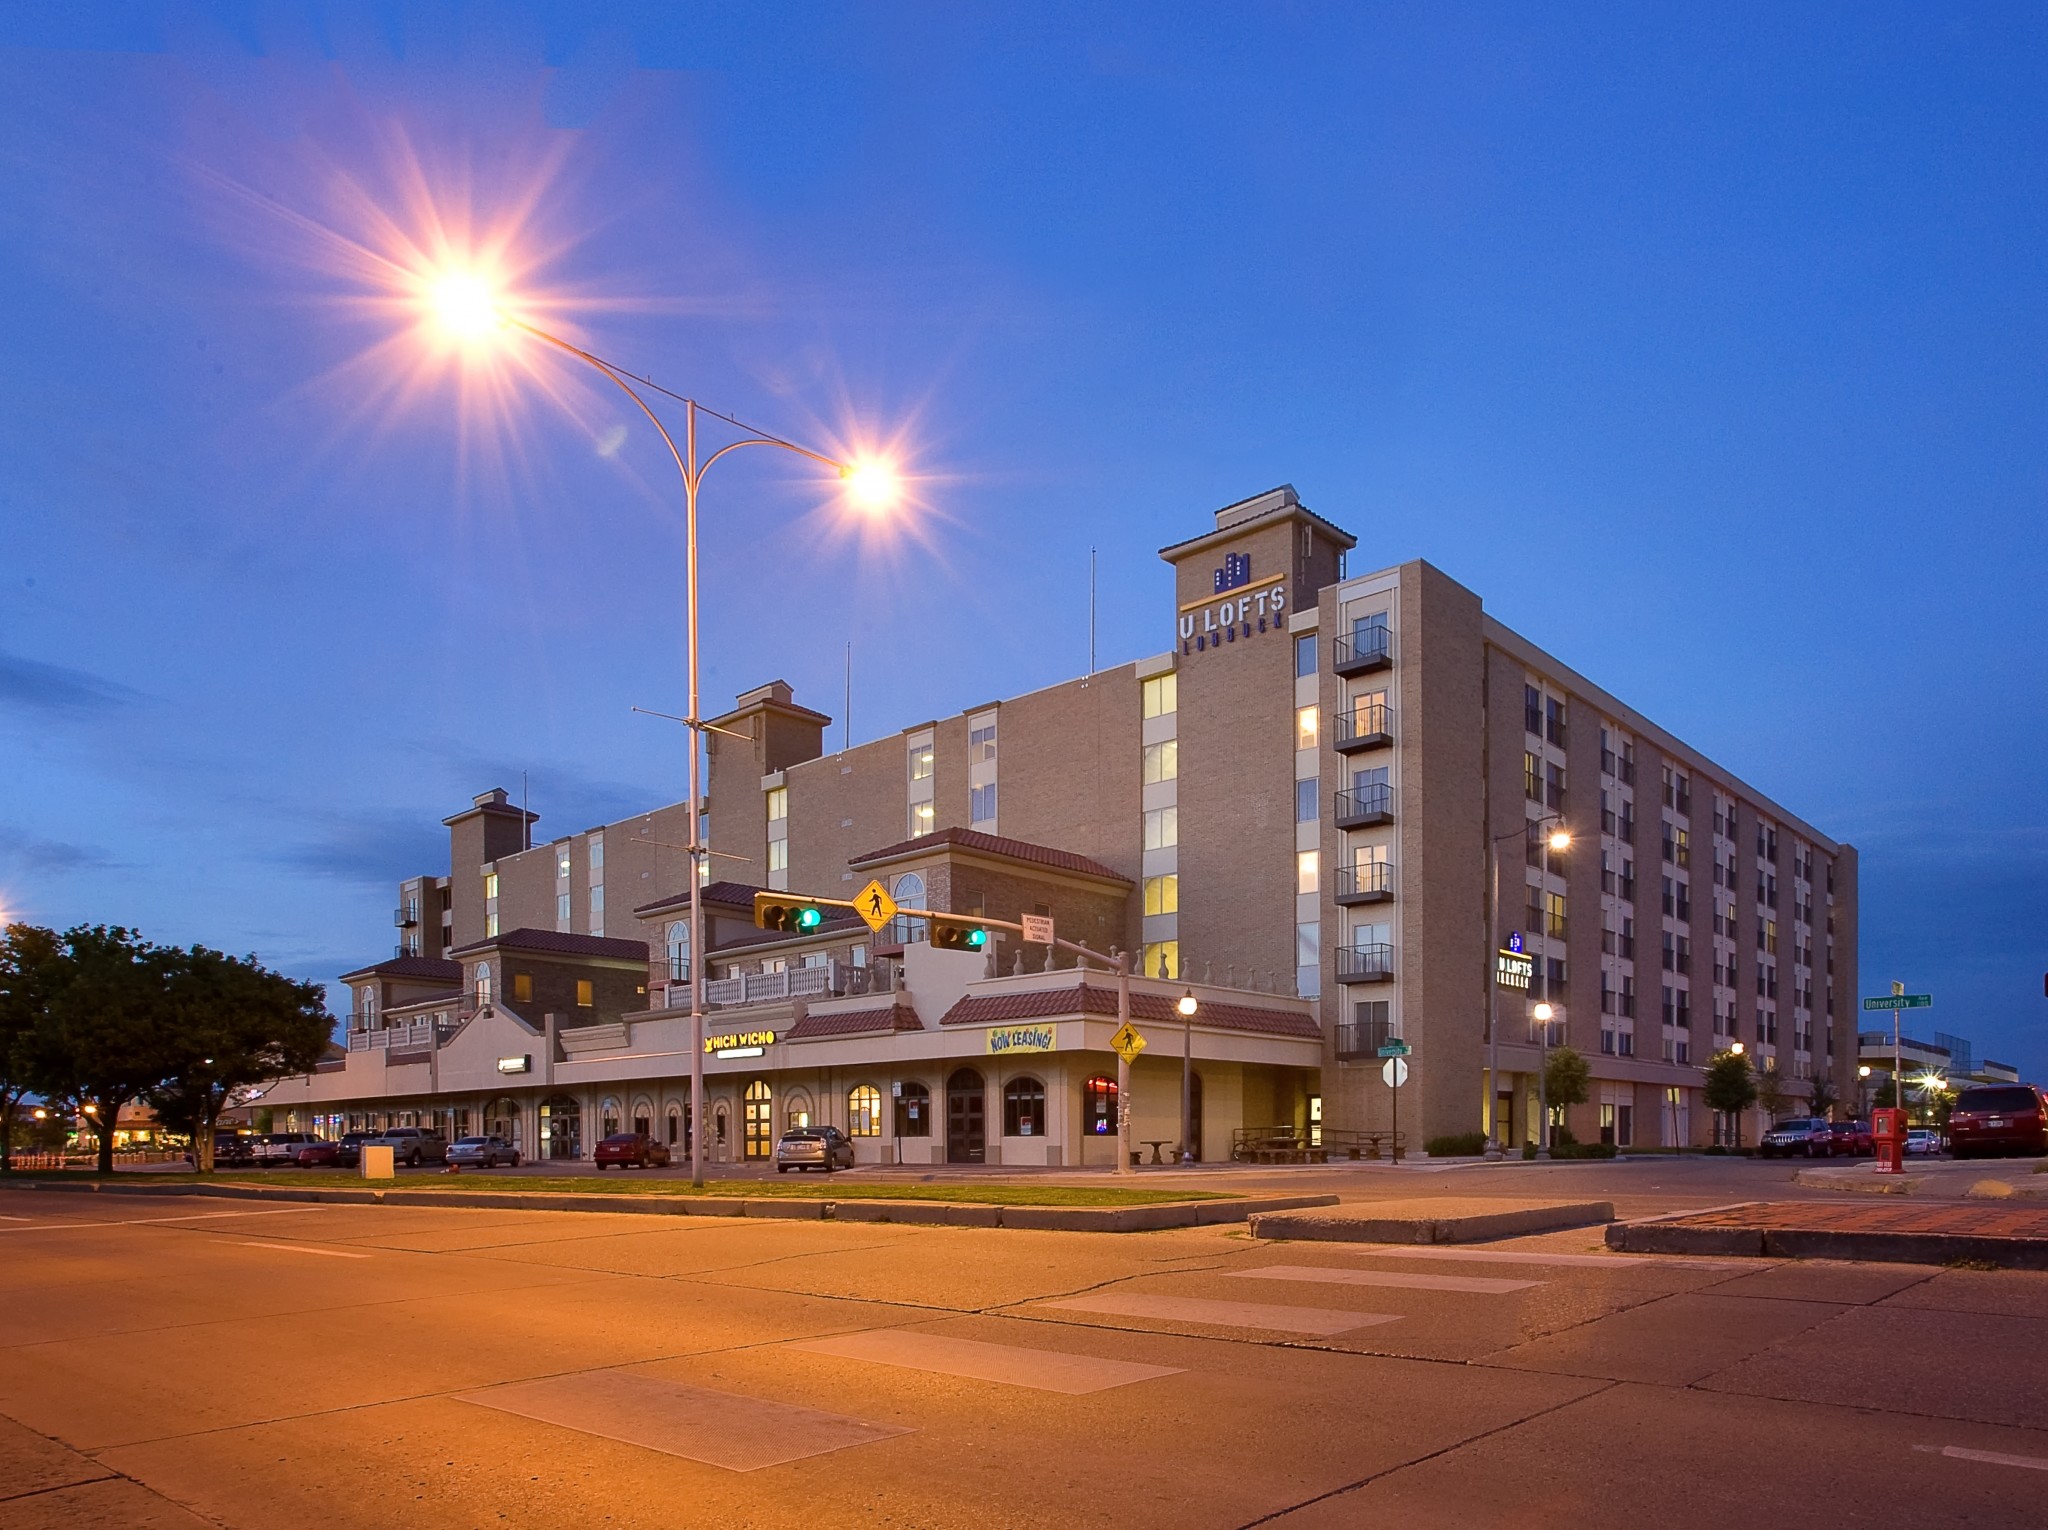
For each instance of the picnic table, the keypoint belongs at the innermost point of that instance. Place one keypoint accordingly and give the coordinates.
(1155, 1146)
(1288, 1144)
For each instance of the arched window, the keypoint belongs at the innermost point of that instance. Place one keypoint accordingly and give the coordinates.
(913, 1110)
(366, 1008)
(483, 984)
(679, 951)
(799, 1109)
(864, 1111)
(675, 1125)
(608, 1117)
(1024, 1108)
(909, 892)
(643, 1118)
(758, 1120)
(1098, 1107)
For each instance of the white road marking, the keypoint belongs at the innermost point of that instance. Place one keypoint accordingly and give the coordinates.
(1532, 1256)
(196, 1216)
(1214, 1314)
(1393, 1278)
(1043, 1369)
(299, 1248)
(1989, 1457)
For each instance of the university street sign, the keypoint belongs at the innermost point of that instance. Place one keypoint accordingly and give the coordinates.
(1901, 1001)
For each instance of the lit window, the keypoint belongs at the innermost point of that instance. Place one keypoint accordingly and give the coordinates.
(778, 803)
(1162, 828)
(921, 763)
(483, 982)
(922, 817)
(562, 863)
(585, 997)
(490, 884)
(491, 925)
(1162, 761)
(1098, 1106)
(522, 987)
(1305, 728)
(1162, 694)
(864, 1111)
(1162, 958)
(778, 855)
(1305, 870)
(1162, 894)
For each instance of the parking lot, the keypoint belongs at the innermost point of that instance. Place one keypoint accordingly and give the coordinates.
(181, 1361)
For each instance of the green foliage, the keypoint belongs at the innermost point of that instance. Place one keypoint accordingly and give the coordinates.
(1823, 1098)
(1567, 1080)
(1582, 1150)
(1730, 1085)
(1462, 1145)
(28, 972)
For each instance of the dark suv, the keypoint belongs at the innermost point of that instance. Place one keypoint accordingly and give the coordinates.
(1807, 1135)
(1998, 1118)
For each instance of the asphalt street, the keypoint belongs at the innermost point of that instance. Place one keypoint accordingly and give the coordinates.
(178, 1361)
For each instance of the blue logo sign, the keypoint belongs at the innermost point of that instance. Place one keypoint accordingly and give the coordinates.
(1236, 571)
(1515, 941)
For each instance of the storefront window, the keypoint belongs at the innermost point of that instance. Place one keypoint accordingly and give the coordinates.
(1024, 1108)
(864, 1111)
(1098, 1107)
(913, 1110)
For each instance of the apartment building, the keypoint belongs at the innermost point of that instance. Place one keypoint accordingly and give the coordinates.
(1324, 808)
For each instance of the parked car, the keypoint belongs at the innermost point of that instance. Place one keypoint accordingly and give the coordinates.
(813, 1147)
(631, 1150)
(483, 1153)
(231, 1150)
(412, 1145)
(317, 1154)
(281, 1149)
(1806, 1135)
(1922, 1141)
(1852, 1138)
(348, 1152)
(1998, 1118)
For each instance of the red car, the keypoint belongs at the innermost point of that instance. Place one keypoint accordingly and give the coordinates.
(631, 1150)
(1852, 1138)
(317, 1155)
(1998, 1118)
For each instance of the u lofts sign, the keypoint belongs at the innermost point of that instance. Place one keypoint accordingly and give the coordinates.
(1245, 608)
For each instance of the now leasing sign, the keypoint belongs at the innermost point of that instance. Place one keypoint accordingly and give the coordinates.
(1022, 1038)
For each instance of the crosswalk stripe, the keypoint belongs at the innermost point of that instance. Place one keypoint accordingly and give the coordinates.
(1321, 1321)
(1461, 1254)
(295, 1248)
(1013, 1365)
(1988, 1457)
(1324, 1274)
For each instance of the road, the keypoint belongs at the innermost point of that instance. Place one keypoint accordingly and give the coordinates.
(179, 1361)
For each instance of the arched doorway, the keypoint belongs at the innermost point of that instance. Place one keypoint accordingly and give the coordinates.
(757, 1120)
(501, 1120)
(561, 1127)
(966, 1118)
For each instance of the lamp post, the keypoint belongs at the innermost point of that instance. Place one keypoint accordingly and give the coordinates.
(1862, 1090)
(1186, 1005)
(469, 311)
(1559, 838)
(1543, 1012)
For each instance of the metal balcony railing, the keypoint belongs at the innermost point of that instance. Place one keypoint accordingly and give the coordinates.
(1365, 964)
(1370, 883)
(1365, 806)
(1367, 648)
(1365, 727)
(406, 915)
(1360, 1039)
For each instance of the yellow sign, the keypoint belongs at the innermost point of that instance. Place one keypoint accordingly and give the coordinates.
(728, 1042)
(1022, 1038)
(875, 905)
(1127, 1042)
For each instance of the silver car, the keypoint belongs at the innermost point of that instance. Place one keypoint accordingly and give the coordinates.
(483, 1153)
(813, 1147)
(411, 1144)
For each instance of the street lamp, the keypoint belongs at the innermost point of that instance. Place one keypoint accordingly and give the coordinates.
(470, 313)
(1186, 1006)
(1543, 1012)
(1559, 838)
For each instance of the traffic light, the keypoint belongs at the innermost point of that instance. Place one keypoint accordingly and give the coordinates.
(781, 911)
(958, 937)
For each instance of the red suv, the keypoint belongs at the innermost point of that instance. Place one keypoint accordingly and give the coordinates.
(1998, 1118)
(631, 1150)
(1852, 1138)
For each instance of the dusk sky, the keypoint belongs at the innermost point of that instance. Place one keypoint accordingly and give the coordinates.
(1709, 345)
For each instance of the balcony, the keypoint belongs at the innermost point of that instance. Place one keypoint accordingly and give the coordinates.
(1360, 1040)
(1370, 883)
(1365, 807)
(835, 980)
(1365, 964)
(1367, 649)
(406, 916)
(1368, 727)
(414, 1037)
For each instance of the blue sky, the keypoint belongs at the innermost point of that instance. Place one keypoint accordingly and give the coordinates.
(1706, 343)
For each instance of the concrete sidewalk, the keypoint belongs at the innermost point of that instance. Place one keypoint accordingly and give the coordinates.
(2003, 1234)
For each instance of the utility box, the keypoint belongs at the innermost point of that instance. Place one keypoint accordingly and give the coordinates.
(379, 1163)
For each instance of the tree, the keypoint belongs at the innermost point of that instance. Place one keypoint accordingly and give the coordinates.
(1823, 1098)
(1771, 1093)
(235, 1025)
(1730, 1087)
(28, 971)
(1566, 1079)
(104, 1036)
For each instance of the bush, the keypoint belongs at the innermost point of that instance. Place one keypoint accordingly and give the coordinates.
(1463, 1145)
(1582, 1150)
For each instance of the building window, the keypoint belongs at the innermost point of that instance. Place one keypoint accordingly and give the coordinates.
(597, 901)
(1532, 777)
(1162, 894)
(1305, 654)
(1161, 694)
(922, 818)
(1532, 711)
(1308, 958)
(1162, 761)
(1098, 1107)
(913, 1110)
(679, 951)
(981, 803)
(561, 908)
(1161, 959)
(596, 854)
(864, 1111)
(490, 884)
(522, 988)
(585, 994)
(778, 855)
(981, 742)
(909, 893)
(921, 763)
(483, 983)
(1307, 796)
(1554, 721)
(1305, 727)
(1024, 1108)
(491, 925)
(1162, 828)
(1305, 872)
(778, 803)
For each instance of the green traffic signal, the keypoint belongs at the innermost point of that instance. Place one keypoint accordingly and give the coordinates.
(809, 917)
(958, 937)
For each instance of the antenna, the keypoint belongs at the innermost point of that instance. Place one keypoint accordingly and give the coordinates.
(847, 735)
(525, 818)
(1091, 610)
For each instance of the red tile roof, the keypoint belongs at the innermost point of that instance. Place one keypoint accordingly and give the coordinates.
(1038, 1003)
(559, 943)
(731, 894)
(995, 844)
(410, 967)
(855, 1022)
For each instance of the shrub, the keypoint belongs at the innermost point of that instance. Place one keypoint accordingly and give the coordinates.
(1462, 1145)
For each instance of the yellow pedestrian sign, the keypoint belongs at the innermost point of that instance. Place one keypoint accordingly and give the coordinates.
(1127, 1042)
(875, 905)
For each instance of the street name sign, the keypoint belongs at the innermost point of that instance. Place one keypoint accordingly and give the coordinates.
(1901, 1001)
(1396, 1048)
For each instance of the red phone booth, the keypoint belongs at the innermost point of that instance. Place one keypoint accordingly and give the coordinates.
(1888, 1138)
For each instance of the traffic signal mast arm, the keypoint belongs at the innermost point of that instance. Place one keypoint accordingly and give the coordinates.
(786, 911)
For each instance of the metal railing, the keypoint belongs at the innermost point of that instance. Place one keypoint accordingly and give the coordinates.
(1363, 727)
(1369, 883)
(1365, 648)
(1365, 804)
(1365, 964)
(1360, 1039)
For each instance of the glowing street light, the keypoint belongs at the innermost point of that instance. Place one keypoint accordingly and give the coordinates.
(1185, 1006)
(472, 313)
(1558, 838)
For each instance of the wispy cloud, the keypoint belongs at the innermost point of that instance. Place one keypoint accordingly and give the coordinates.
(373, 849)
(33, 856)
(29, 685)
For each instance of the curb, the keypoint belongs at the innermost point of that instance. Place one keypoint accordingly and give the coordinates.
(1479, 1227)
(1104, 1219)
(1663, 1236)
